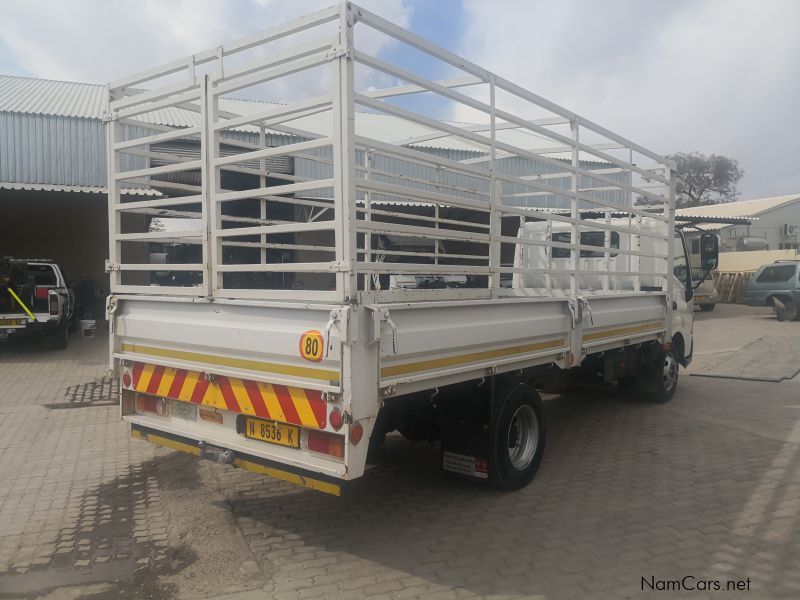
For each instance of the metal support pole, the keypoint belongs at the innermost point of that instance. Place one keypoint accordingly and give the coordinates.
(607, 253)
(344, 159)
(548, 251)
(262, 183)
(369, 284)
(115, 219)
(212, 210)
(574, 214)
(495, 199)
(671, 241)
(635, 257)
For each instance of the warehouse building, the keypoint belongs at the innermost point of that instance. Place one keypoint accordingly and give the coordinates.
(775, 223)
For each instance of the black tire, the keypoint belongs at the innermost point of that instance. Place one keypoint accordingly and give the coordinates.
(707, 307)
(518, 437)
(58, 338)
(785, 309)
(659, 380)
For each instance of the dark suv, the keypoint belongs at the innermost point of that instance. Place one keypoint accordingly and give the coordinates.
(777, 285)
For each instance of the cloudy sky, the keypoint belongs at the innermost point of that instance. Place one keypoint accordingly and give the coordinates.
(715, 76)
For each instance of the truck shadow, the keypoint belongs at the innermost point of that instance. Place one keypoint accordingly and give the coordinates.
(627, 490)
(117, 537)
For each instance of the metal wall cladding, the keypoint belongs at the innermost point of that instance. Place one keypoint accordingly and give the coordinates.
(529, 198)
(55, 150)
(191, 149)
(51, 149)
(402, 172)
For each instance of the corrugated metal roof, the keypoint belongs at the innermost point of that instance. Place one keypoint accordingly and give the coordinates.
(83, 189)
(48, 97)
(742, 208)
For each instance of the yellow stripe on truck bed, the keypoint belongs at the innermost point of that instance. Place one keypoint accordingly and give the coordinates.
(473, 357)
(621, 331)
(326, 375)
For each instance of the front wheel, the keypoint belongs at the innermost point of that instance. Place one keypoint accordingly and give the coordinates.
(660, 379)
(518, 437)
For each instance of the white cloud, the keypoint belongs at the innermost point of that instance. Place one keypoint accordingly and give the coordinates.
(91, 41)
(714, 76)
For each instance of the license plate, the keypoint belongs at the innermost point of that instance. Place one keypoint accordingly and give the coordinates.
(272, 432)
(701, 298)
(11, 322)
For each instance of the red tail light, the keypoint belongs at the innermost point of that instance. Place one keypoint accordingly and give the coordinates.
(326, 443)
(356, 433)
(151, 405)
(41, 292)
(53, 304)
(335, 419)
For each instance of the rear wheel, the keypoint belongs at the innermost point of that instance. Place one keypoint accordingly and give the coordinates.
(518, 438)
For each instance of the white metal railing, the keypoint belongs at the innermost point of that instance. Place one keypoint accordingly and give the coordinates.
(316, 199)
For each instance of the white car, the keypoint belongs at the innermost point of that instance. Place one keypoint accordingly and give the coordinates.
(706, 295)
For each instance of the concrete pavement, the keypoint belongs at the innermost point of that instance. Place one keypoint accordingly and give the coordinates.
(629, 495)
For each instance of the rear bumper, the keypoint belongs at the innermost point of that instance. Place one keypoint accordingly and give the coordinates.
(242, 460)
(706, 299)
(22, 325)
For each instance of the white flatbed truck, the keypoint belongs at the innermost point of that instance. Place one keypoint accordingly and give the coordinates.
(346, 263)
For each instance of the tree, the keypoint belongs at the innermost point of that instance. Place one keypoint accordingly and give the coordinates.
(705, 179)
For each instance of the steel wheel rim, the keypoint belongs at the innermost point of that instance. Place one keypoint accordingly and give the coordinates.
(523, 437)
(670, 372)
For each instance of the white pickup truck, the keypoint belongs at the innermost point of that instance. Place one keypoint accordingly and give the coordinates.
(35, 300)
(345, 263)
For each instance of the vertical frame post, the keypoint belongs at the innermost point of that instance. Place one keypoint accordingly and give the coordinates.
(670, 212)
(575, 237)
(344, 158)
(371, 281)
(212, 210)
(114, 226)
(207, 185)
(636, 260)
(495, 199)
(607, 235)
(114, 216)
(262, 182)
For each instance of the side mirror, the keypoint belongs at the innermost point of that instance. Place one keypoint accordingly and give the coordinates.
(709, 251)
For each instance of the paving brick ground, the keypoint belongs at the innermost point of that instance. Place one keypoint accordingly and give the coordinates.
(707, 486)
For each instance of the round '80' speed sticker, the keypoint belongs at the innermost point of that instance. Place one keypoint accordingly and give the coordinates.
(312, 345)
